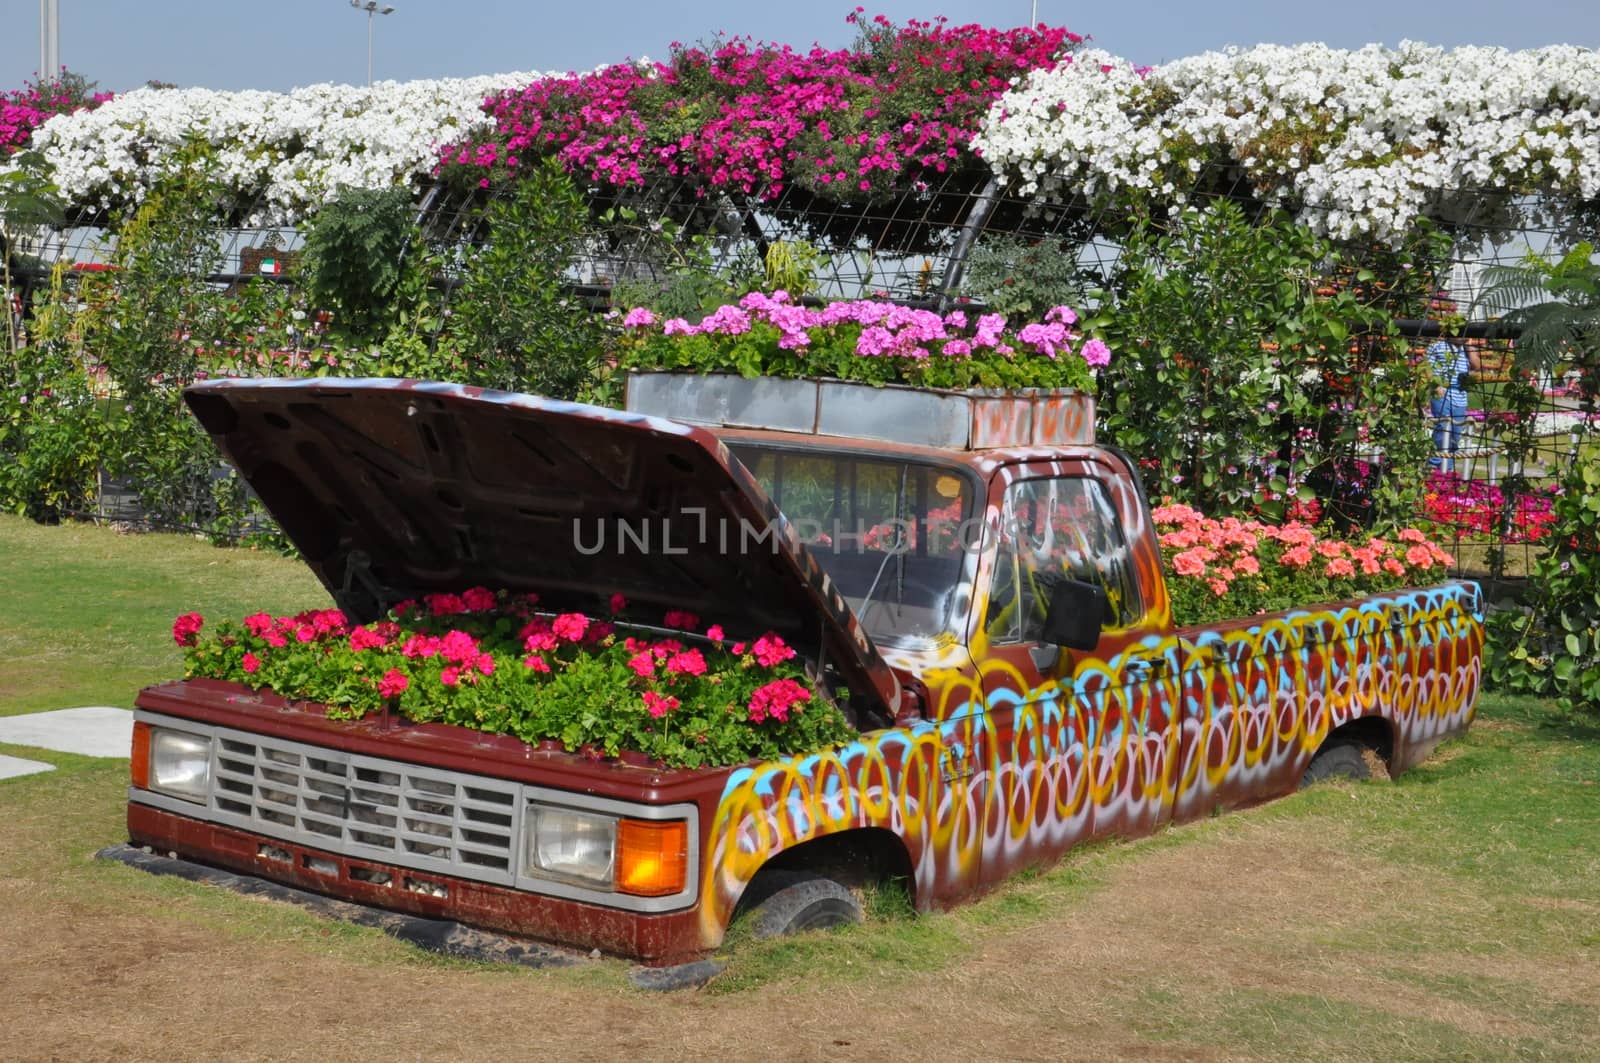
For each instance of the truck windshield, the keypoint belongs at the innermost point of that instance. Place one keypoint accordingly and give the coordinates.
(888, 532)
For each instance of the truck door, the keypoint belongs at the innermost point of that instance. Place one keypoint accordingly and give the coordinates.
(1081, 742)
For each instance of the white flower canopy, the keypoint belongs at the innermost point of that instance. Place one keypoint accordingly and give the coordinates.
(1357, 143)
(285, 152)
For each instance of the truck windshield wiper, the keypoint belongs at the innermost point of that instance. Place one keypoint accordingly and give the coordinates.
(897, 551)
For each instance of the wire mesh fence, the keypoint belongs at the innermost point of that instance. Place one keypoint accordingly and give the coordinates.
(963, 242)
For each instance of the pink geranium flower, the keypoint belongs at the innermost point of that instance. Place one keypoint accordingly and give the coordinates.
(570, 626)
(681, 619)
(659, 705)
(770, 650)
(186, 629)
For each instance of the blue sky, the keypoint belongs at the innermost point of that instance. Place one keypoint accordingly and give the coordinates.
(278, 44)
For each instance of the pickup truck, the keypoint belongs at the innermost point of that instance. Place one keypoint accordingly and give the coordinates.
(980, 578)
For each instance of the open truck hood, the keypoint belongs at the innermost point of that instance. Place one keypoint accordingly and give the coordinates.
(393, 489)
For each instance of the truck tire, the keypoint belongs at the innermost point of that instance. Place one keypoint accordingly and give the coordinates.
(1341, 758)
(792, 902)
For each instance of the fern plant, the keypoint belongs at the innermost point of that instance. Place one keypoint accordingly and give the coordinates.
(1554, 308)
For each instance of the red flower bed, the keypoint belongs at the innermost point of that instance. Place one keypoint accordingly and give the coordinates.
(490, 661)
(1478, 507)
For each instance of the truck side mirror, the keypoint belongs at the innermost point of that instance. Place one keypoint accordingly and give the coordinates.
(1076, 614)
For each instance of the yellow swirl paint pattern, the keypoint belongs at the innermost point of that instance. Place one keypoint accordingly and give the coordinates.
(1170, 728)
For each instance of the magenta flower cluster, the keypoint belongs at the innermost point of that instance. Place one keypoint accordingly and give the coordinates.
(886, 115)
(878, 329)
(26, 109)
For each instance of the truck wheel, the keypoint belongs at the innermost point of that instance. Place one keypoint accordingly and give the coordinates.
(1342, 758)
(791, 902)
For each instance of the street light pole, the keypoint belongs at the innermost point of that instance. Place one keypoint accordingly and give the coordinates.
(371, 7)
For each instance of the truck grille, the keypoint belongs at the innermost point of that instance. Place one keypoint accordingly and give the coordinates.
(356, 806)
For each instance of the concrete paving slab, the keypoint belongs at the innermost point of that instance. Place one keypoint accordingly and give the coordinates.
(93, 731)
(11, 767)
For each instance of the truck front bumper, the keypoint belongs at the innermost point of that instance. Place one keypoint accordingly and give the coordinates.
(652, 938)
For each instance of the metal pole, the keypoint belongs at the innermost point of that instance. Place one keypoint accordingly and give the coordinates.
(49, 40)
(55, 39)
(369, 47)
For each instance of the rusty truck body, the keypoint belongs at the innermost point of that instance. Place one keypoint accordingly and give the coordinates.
(983, 579)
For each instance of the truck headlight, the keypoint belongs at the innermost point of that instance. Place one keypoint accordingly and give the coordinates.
(180, 764)
(642, 857)
(565, 843)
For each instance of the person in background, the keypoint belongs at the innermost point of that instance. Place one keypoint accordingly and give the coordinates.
(1453, 364)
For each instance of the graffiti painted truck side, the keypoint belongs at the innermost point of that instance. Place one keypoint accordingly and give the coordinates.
(982, 578)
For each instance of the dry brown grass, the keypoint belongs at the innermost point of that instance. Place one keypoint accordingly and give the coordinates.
(1253, 907)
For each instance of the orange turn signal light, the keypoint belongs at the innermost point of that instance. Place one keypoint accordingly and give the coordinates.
(652, 856)
(139, 767)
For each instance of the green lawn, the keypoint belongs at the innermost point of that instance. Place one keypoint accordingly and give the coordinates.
(89, 614)
(1453, 914)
